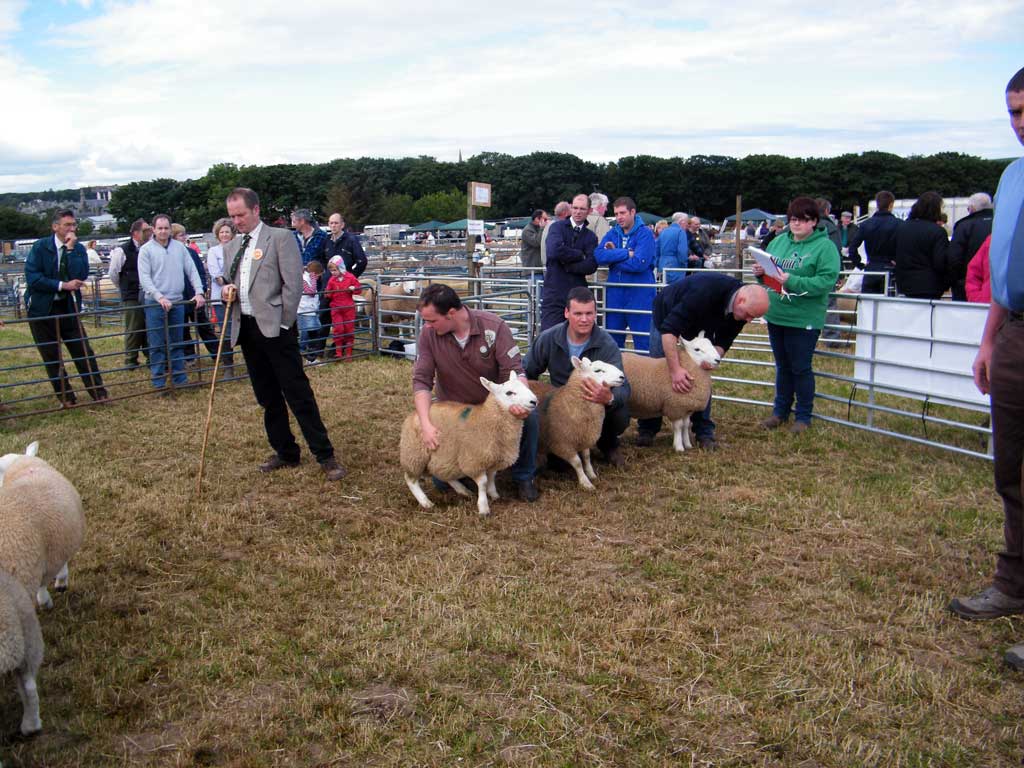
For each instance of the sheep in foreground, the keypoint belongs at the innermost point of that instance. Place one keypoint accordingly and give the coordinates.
(652, 394)
(475, 441)
(21, 648)
(570, 425)
(41, 524)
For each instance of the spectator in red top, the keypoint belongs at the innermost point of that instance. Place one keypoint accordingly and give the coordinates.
(977, 284)
(340, 289)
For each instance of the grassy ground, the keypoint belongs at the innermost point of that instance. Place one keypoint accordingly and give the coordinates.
(779, 602)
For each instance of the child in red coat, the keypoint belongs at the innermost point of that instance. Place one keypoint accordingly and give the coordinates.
(339, 294)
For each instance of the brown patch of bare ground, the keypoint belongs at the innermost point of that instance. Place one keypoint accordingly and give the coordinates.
(779, 602)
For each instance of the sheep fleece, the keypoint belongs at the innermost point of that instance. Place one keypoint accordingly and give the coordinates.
(41, 522)
(651, 387)
(21, 641)
(474, 439)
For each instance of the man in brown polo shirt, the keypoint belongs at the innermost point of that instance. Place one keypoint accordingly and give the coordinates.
(456, 347)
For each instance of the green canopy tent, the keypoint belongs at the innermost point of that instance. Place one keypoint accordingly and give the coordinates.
(753, 214)
(650, 218)
(461, 224)
(428, 226)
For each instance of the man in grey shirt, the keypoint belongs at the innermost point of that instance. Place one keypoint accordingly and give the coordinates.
(164, 265)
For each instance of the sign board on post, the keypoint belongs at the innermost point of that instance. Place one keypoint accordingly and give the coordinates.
(475, 227)
(479, 195)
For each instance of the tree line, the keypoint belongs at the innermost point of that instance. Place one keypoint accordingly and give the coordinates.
(415, 189)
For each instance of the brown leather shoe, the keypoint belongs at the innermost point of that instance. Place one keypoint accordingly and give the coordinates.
(276, 462)
(772, 422)
(333, 469)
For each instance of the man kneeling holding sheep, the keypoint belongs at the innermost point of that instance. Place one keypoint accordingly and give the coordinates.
(579, 336)
(456, 347)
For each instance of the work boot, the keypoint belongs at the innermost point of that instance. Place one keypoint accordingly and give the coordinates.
(614, 457)
(644, 440)
(333, 469)
(988, 604)
(772, 422)
(527, 490)
(799, 427)
(707, 443)
(1015, 657)
(275, 462)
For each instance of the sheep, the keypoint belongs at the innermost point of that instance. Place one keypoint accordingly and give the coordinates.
(41, 524)
(475, 441)
(651, 387)
(570, 425)
(21, 648)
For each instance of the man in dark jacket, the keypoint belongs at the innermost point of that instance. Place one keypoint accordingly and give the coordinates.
(968, 235)
(55, 271)
(123, 272)
(532, 232)
(827, 223)
(341, 243)
(879, 237)
(718, 304)
(847, 231)
(581, 337)
(570, 253)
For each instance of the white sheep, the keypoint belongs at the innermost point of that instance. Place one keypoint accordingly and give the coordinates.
(570, 425)
(41, 524)
(21, 648)
(476, 441)
(651, 386)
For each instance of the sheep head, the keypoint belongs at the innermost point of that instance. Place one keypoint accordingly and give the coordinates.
(701, 350)
(599, 371)
(511, 392)
(7, 460)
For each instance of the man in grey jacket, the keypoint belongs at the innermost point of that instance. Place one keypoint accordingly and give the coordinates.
(532, 232)
(163, 265)
(580, 336)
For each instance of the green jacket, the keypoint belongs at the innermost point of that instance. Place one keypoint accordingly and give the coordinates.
(813, 267)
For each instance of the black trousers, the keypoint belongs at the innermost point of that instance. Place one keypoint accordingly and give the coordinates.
(616, 419)
(49, 333)
(280, 383)
(551, 314)
(1006, 375)
(204, 330)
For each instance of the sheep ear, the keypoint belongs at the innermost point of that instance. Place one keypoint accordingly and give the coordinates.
(700, 335)
(576, 362)
(33, 448)
(487, 384)
(512, 376)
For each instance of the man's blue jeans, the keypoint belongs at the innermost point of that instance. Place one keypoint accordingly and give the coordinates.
(163, 330)
(794, 376)
(700, 423)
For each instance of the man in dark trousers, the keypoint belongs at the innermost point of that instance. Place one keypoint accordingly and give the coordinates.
(342, 243)
(878, 234)
(55, 271)
(968, 235)
(264, 284)
(123, 272)
(570, 258)
(719, 305)
(999, 371)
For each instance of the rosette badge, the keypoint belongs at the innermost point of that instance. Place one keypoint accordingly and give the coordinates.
(257, 254)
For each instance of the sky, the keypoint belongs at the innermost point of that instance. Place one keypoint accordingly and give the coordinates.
(103, 92)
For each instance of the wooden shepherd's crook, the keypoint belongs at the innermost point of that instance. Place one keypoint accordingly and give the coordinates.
(209, 405)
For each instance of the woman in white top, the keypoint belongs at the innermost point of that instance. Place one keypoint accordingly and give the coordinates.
(224, 231)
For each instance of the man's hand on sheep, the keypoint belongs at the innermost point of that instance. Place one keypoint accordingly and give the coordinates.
(430, 435)
(682, 381)
(597, 393)
(518, 411)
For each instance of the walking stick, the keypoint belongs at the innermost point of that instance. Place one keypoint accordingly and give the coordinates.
(213, 388)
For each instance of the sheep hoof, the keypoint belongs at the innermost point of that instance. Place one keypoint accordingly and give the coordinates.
(43, 599)
(587, 485)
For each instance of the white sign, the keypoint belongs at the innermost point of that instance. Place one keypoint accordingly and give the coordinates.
(475, 227)
(922, 354)
(480, 194)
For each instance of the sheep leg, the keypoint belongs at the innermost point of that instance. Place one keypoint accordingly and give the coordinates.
(414, 487)
(492, 489)
(481, 495)
(588, 468)
(60, 584)
(43, 599)
(580, 475)
(460, 489)
(680, 434)
(30, 722)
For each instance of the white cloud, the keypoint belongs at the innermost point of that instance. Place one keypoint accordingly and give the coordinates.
(165, 89)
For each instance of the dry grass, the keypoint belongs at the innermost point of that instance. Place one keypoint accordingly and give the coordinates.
(779, 602)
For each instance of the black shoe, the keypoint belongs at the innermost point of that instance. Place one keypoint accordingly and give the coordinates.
(1015, 657)
(527, 491)
(707, 443)
(644, 440)
(987, 604)
(276, 462)
(333, 469)
(614, 457)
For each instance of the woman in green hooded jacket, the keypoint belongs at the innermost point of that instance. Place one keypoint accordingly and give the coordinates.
(809, 264)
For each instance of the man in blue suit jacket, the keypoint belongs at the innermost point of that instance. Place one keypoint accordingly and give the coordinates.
(55, 271)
